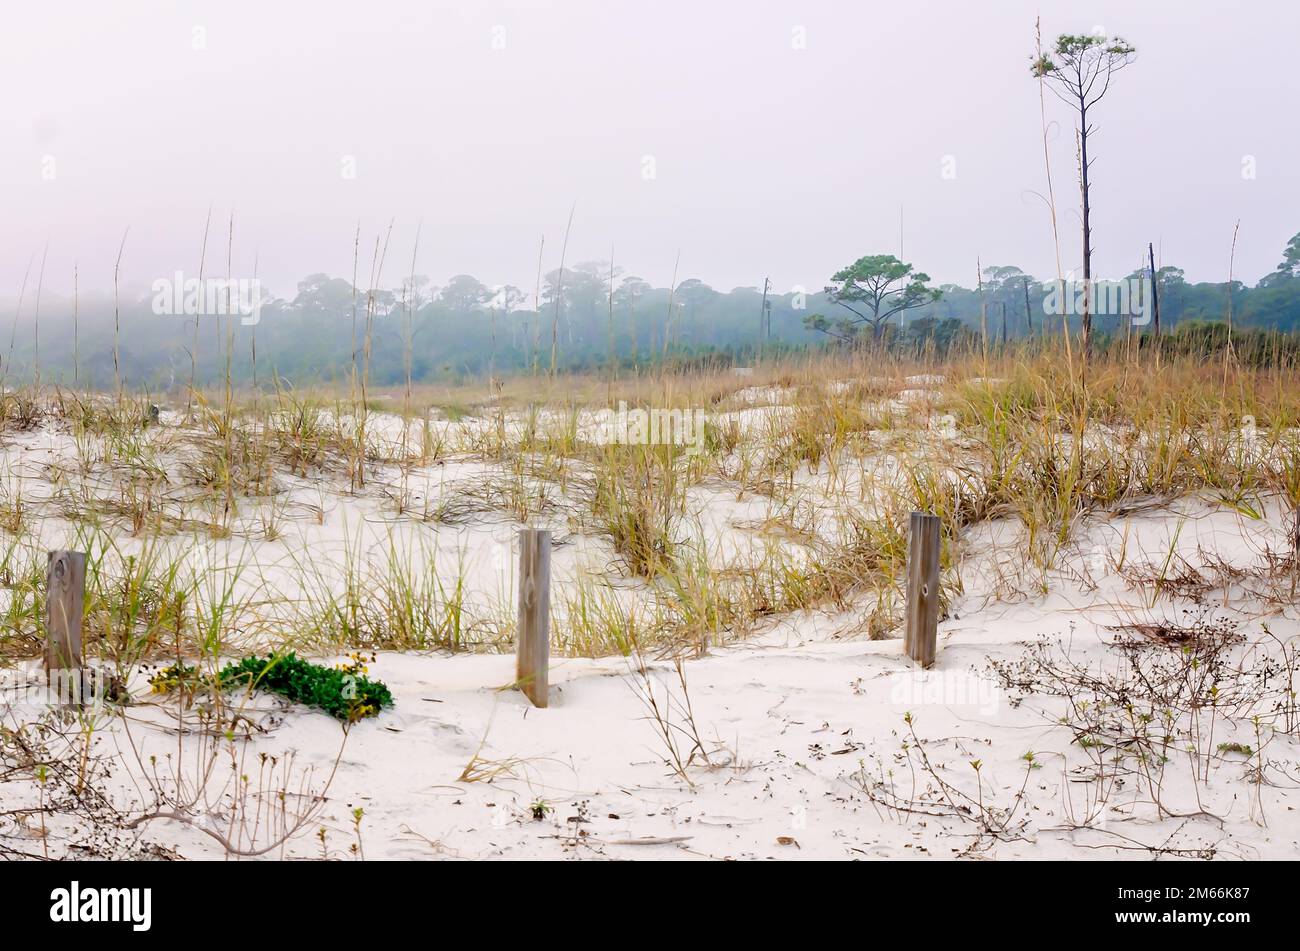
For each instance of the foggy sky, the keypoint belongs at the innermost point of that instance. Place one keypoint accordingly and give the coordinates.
(768, 159)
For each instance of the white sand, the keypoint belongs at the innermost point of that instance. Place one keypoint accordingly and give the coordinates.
(794, 720)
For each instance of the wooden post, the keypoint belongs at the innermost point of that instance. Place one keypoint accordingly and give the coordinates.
(922, 588)
(533, 639)
(65, 590)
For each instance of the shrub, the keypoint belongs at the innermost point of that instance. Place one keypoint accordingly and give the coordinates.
(343, 692)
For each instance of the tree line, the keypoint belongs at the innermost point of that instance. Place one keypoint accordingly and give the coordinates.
(595, 318)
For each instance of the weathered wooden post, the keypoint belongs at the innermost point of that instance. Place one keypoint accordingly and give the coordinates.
(922, 588)
(533, 638)
(65, 592)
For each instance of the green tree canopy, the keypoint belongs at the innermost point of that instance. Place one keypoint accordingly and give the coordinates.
(872, 289)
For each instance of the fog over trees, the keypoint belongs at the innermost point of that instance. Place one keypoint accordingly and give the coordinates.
(469, 328)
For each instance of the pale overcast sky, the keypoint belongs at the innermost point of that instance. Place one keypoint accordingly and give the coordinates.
(756, 138)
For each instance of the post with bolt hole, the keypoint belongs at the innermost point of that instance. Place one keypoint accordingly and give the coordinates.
(65, 594)
(533, 638)
(922, 588)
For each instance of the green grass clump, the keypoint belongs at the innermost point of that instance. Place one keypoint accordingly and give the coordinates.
(343, 692)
